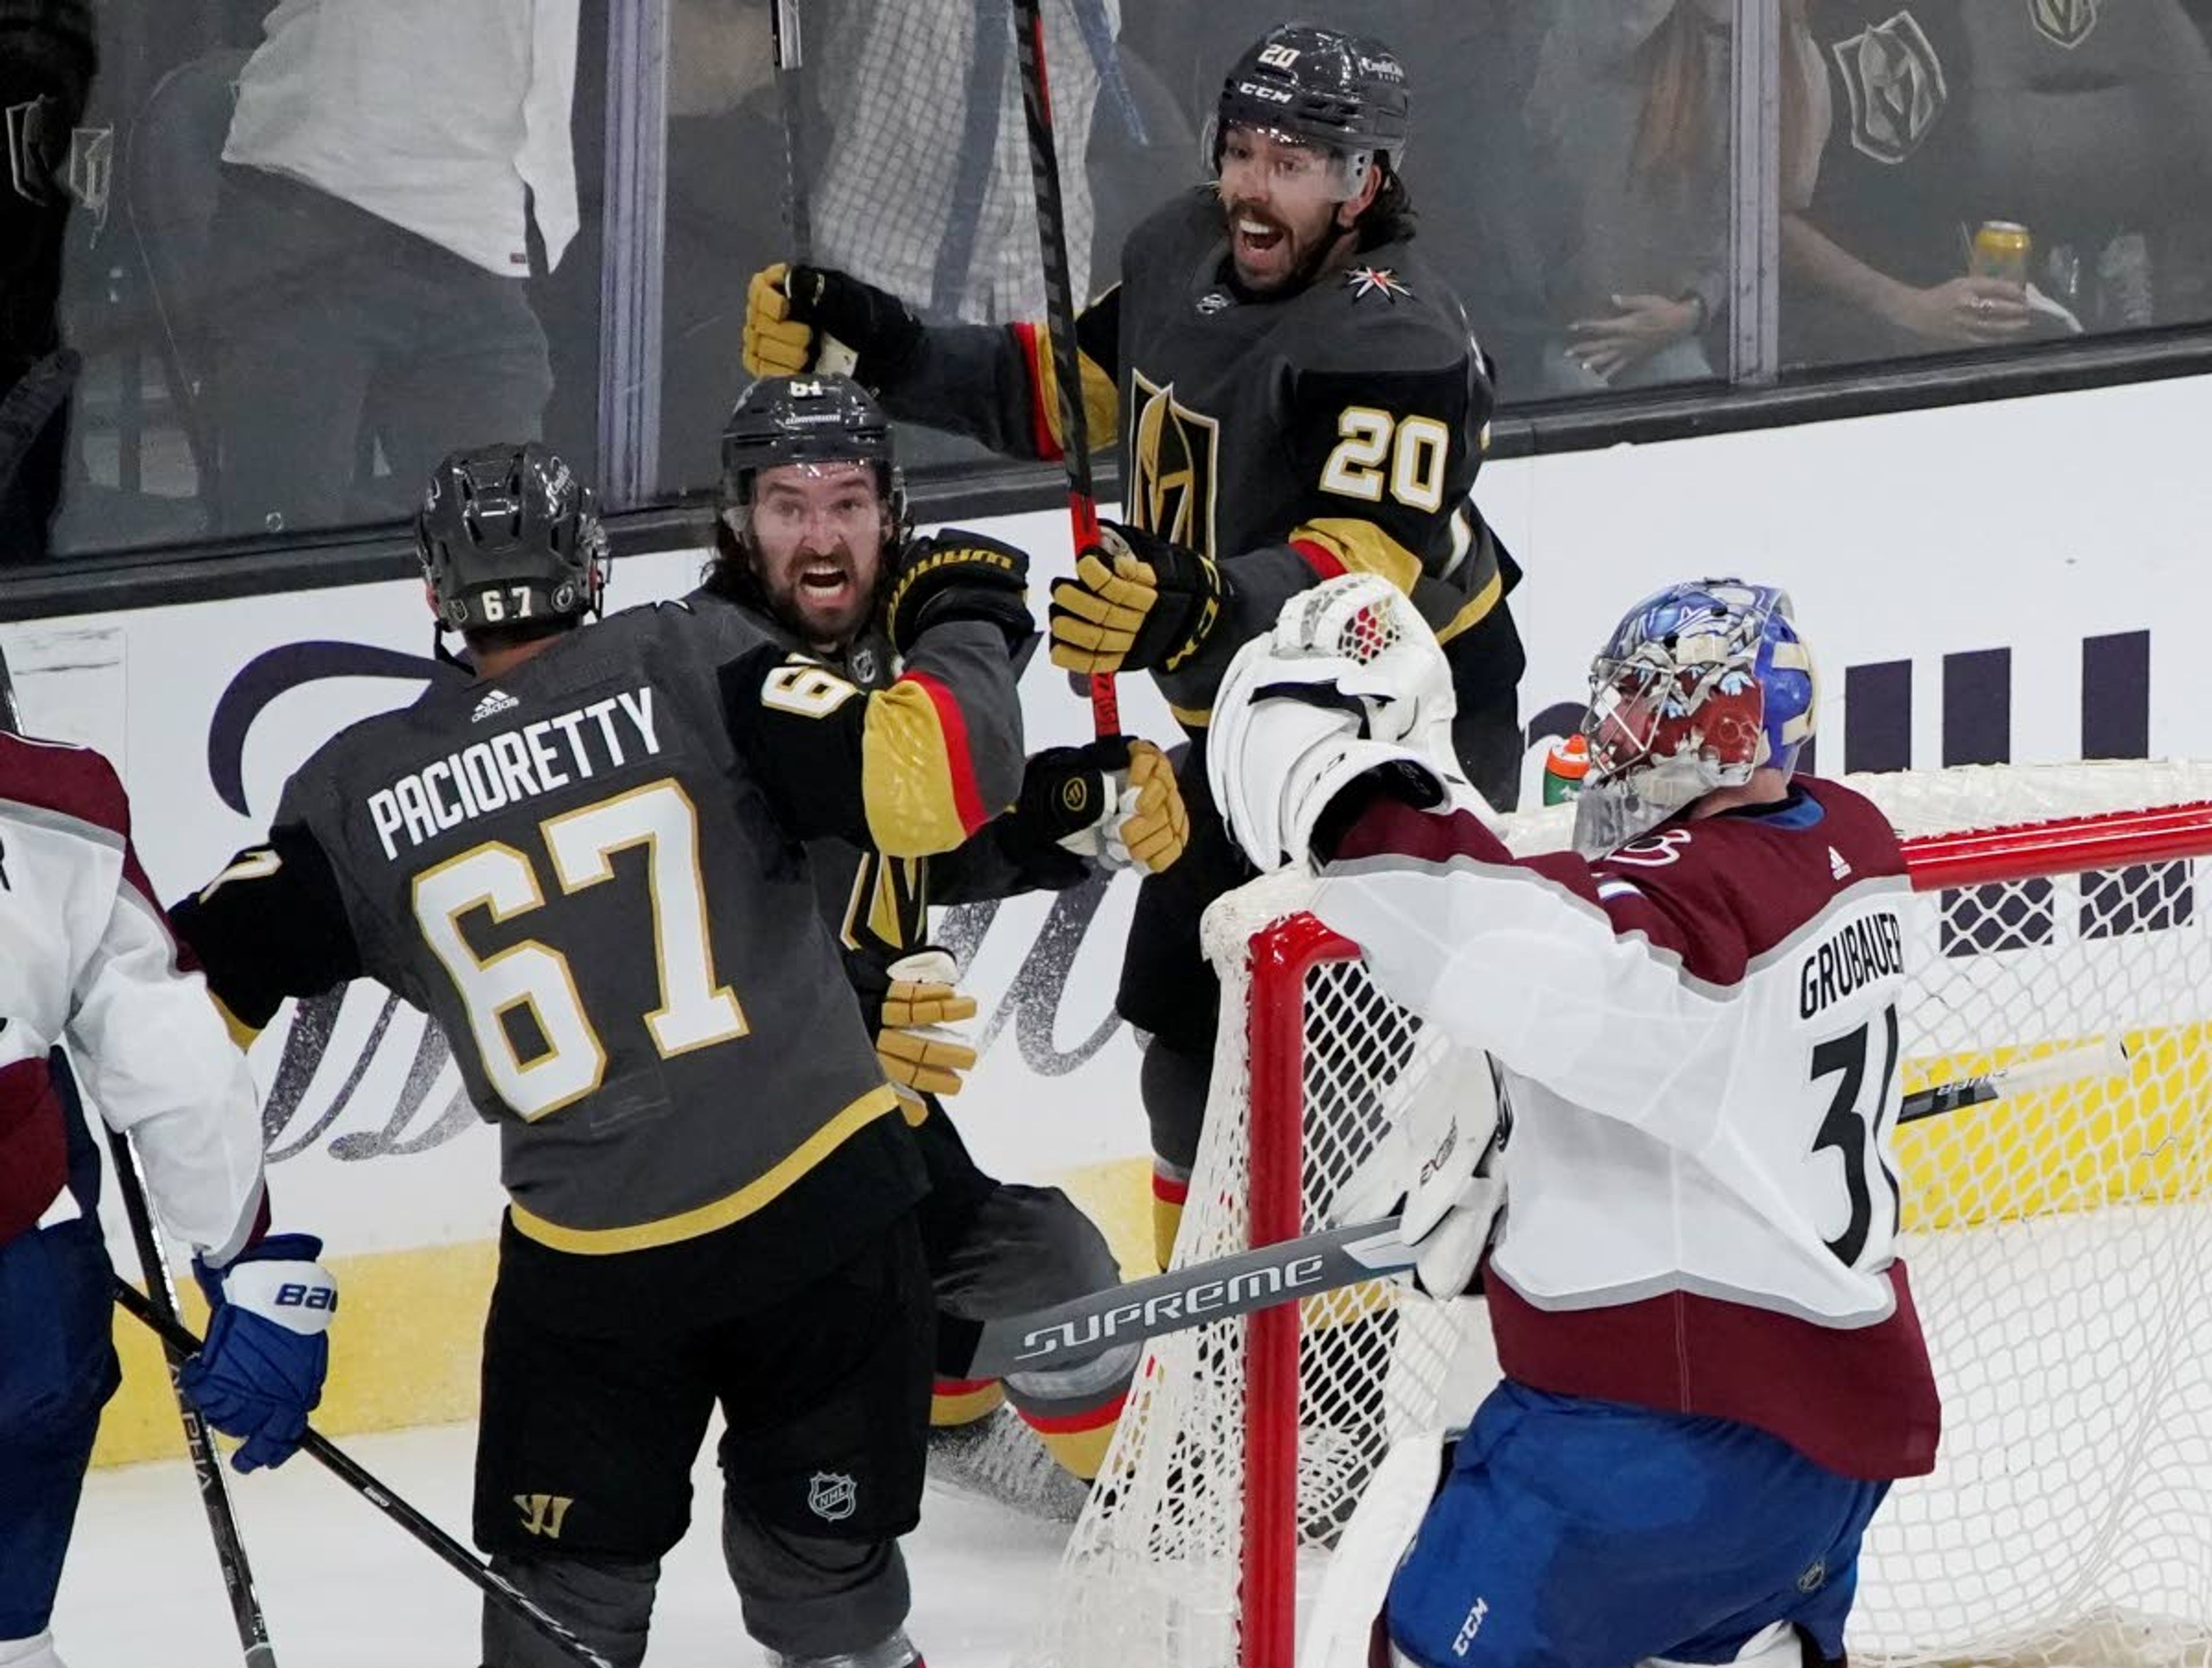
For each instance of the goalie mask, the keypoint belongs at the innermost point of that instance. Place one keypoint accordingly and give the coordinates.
(1699, 687)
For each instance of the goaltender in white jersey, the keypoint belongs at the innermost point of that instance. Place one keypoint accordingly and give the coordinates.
(87, 959)
(1713, 1367)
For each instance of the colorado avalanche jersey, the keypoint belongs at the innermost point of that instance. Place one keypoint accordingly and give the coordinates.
(1699, 1037)
(86, 957)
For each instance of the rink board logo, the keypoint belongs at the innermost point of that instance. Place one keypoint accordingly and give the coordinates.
(832, 1496)
(1896, 86)
(2064, 22)
(1175, 465)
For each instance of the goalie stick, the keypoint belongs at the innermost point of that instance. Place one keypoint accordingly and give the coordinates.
(1060, 317)
(494, 1585)
(1261, 1278)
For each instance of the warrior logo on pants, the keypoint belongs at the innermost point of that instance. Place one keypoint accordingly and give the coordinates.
(831, 1495)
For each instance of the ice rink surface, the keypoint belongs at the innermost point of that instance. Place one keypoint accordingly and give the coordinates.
(342, 1588)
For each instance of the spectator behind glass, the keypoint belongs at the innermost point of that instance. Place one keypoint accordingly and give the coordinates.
(2091, 125)
(1630, 115)
(925, 189)
(47, 60)
(394, 172)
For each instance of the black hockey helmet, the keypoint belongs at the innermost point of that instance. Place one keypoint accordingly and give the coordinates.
(1344, 91)
(509, 536)
(809, 420)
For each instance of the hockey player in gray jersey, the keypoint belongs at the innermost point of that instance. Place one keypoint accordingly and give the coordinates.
(812, 511)
(585, 863)
(1298, 394)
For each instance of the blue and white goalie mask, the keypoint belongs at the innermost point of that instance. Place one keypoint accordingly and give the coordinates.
(1699, 687)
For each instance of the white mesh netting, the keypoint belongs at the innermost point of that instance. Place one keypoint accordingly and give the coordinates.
(2060, 1243)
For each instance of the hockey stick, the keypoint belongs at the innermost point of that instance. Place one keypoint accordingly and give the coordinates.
(161, 1299)
(334, 1460)
(1250, 1281)
(1060, 318)
(831, 357)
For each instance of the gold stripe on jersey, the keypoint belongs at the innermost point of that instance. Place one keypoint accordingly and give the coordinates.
(1476, 608)
(716, 1213)
(908, 774)
(240, 1033)
(1363, 547)
(1101, 400)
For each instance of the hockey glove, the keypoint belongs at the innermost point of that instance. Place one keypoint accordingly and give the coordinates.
(1137, 602)
(1350, 681)
(790, 309)
(260, 1373)
(958, 575)
(1436, 1168)
(910, 1003)
(1113, 802)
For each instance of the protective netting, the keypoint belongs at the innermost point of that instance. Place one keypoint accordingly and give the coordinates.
(2060, 1242)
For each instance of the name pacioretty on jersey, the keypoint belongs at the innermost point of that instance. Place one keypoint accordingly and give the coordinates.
(511, 766)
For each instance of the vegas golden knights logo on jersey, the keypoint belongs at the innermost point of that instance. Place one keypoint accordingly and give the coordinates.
(2066, 22)
(1174, 466)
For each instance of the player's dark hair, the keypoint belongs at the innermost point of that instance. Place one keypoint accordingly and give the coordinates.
(1390, 217)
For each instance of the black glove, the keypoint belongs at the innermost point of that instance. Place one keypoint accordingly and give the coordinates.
(1137, 602)
(958, 575)
(788, 310)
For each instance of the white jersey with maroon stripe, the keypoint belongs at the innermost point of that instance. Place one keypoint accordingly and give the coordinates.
(86, 958)
(1699, 1037)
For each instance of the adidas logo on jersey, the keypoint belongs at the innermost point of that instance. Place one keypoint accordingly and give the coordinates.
(1837, 866)
(493, 705)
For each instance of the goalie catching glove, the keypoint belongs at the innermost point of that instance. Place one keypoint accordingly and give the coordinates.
(1435, 1169)
(1350, 681)
(791, 310)
(1137, 602)
(911, 1004)
(259, 1373)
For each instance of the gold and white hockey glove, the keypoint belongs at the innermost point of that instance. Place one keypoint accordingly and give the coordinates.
(912, 1038)
(1113, 801)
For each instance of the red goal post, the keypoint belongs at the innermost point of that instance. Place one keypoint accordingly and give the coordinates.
(2061, 1243)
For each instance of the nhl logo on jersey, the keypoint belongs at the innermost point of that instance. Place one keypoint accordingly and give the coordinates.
(2064, 22)
(1376, 281)
(1214, 301)
(831, 1495)
(1896, 86)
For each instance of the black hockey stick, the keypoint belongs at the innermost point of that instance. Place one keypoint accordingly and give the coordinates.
(334, 1460)
(1250, 1281)
(1060, 317)
(161, 1299)
(783, 27)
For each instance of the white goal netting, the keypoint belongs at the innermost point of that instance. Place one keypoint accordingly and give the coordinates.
(2060, 1243)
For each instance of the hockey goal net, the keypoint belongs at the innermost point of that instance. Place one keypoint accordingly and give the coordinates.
(2060, 1243)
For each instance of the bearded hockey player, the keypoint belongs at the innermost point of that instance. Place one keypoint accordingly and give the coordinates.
(1713, 1367)
(582, 861)
(88, 960)
(1298, 396)
(813, 517)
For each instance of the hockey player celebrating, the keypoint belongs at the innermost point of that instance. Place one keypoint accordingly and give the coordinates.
(1712, 1366)
(813, 508)
(581, 863)
(1300, 398)
(85, 958)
